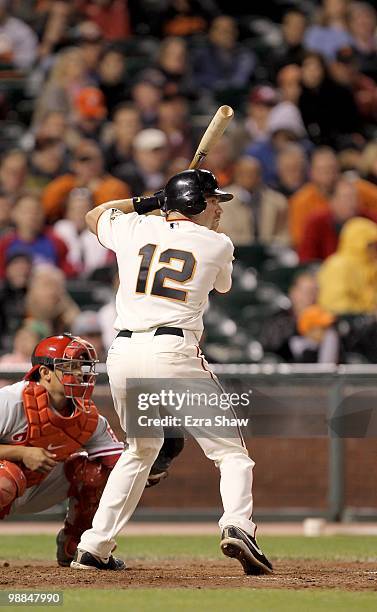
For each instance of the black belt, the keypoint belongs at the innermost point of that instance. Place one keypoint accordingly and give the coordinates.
(160, 331)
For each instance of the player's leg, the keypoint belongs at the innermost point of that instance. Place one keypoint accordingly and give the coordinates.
(226, 448)
(52, 490)
(121, 495)
(129, 476)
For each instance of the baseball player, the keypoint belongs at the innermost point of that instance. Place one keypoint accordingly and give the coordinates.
(168, 264)
(54, 444)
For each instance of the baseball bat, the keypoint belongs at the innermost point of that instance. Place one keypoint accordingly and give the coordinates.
(214, 131)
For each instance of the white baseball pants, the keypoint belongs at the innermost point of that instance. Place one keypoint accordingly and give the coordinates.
(147, 356)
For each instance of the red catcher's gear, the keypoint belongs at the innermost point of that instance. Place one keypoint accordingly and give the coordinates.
(74, 357)
(12, 485)
(48, 429)
(87, 480)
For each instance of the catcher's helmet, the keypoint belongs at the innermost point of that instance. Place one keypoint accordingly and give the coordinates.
(186, 191)
(67, 353)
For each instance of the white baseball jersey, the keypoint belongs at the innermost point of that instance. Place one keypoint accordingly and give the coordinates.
(13, 425)
(166, 269)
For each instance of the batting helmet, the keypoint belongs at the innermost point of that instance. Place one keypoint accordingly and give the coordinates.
(67, 354)
(187, 190)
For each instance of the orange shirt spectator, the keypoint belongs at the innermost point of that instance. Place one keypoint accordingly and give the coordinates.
(87, 172)
(310, 199)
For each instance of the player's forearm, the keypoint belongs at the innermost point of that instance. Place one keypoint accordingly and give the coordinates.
(141, 205)
(11, 453)
(91, 218)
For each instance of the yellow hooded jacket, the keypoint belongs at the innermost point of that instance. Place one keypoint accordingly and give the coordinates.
(348, 279)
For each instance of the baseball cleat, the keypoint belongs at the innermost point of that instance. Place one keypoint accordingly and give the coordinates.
(238, 544)
(85, 560)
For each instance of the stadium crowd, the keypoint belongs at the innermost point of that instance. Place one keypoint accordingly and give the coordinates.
(103, 99)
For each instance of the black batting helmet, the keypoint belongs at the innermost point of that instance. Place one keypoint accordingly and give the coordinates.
(186, 191)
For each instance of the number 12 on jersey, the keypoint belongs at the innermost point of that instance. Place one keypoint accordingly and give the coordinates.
(147, 253)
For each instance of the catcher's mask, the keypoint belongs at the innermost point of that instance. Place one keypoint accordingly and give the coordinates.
(74, 358)
(187, 190)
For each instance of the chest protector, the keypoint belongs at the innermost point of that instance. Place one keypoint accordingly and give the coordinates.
(50, 430)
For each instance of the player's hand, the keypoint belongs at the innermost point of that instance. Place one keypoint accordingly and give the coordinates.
(38, 459)
(160, 195)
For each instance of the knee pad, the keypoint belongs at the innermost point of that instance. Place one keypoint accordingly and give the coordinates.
(12, 482)
(79, 471)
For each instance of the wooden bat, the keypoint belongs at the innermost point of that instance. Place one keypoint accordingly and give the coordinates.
(214, 131)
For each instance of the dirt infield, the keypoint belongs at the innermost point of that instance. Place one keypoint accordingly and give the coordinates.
(193, 574)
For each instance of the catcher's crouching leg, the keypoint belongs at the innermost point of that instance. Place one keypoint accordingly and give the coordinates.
(12, 485)
(87, 480)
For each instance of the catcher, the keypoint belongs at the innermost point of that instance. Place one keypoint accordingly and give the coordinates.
(54, 443)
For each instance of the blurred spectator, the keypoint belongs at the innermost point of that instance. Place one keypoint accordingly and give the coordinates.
(368, 162)
(349, 159)
(186, 17)
(18, 42)
(31, 235)
(12, 295)
(328, 109)
(5, 213)
(222, 62)
(87, 171)
(174, 121)
(362, 25)
(318, 341)
(47, 301)
(67, 77)
(90, 113)
(257, 213)
(112, 78)
(146, 171)
(90, 40)
(87, 326)
(173, 65)
(53, 125)
(321, 233)
(331, 31)
(261, 100)
(291, 49)
(289, 83)
(111, 16)
(179, 164)
(220, 160)
(25, 339)
(284, 127)
(345, 71)
(314, 195)
(291, 165)
(13, 172)
(52, 24)
(146, 93)
(46, 161)
(85, 253)
(120, 135)
(107, 316)
(279, 332)
(348, 279)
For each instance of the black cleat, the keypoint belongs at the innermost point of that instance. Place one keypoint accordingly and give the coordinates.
(85, 560)
(238, 544)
